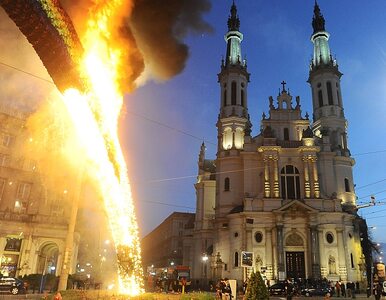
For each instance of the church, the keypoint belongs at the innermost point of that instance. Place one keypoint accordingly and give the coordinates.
(282, 202)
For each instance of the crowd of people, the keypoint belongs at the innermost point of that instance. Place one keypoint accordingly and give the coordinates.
(348, 289)
(223, 289)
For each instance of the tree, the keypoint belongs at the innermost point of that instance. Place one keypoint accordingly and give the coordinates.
(368, 246)
(256, 288)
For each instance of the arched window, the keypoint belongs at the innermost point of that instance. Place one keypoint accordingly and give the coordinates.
(242, 97)
(290, 182)
(239, 138)
(233, 93)
(320, 98)
(347, 185)
(227, 184)
(236, 262)
(227, 141)
(329, 93)
(286, 134)
(225, 97)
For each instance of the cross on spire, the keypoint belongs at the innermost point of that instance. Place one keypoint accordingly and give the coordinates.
(317, 19)
(283, 83)
(233, 20)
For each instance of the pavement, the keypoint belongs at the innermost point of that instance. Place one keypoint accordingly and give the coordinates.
(357, 296)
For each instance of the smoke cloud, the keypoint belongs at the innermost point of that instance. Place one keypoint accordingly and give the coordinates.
(152, 31)
(17, 90)
(159, 27)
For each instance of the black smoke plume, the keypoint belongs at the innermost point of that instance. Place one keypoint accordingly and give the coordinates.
(156, 27)
(159, 27)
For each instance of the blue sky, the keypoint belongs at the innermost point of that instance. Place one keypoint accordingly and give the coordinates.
(163, 160)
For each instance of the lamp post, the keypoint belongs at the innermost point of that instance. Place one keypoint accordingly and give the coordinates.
(41, 286)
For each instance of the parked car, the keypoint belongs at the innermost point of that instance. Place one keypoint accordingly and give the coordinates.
(277, 289)
(11, 285)
(317, 291)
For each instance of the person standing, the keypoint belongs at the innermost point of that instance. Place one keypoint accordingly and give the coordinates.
(337, 288)
(343, 289)
(378, 291)
(289, 289)
(353, 290)
(348, 285)
(227, 291)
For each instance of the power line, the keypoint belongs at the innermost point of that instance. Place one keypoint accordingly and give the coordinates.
(363, 186)
(193, 176)
(167, 204)
(172, 128)
(372, 152)
(375, 212)
(377, 217)
(372, 194)
(135, 114)
(154, 121)
(27, 73)
(190, 135)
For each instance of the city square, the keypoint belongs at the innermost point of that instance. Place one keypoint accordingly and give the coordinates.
(112, 182)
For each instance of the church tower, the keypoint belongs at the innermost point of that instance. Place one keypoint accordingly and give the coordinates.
(329, 125)
(233, 122)
(281, 202)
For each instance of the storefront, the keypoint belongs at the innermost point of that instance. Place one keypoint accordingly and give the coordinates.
(10, 256)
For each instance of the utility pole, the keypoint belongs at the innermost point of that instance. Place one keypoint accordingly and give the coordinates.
(68, 250)
(371, 203)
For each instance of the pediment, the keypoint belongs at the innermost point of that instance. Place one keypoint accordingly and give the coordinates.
(296, 205)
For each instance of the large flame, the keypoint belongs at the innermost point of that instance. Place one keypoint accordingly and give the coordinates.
(95, 117)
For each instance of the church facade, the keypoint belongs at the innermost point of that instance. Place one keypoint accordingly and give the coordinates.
(281, 202)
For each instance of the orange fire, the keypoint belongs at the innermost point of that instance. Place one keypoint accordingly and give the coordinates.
(95, 117)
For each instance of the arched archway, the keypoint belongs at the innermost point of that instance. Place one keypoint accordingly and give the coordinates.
(295, 261)
(48, 258)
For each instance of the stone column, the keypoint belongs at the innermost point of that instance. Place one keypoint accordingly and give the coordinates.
(344, 140)
(276, 192)
(280, 248)
(233, 138)
(315, 179)
(315, 257)
(307, 187)
(25, 256)
(275, 266)
(267, 185)
(323, 259)
(341, 253)
(3, 242)
(268, 253)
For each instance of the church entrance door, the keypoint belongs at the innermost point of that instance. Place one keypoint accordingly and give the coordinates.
(295, 264)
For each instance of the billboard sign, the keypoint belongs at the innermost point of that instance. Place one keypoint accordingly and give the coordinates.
(246, 259)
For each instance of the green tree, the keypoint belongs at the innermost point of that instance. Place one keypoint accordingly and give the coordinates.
(256, 288)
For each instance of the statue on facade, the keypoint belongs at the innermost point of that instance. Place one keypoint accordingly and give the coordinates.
(332, 264)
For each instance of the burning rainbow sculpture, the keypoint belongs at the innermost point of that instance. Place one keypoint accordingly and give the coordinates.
(86, 71)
